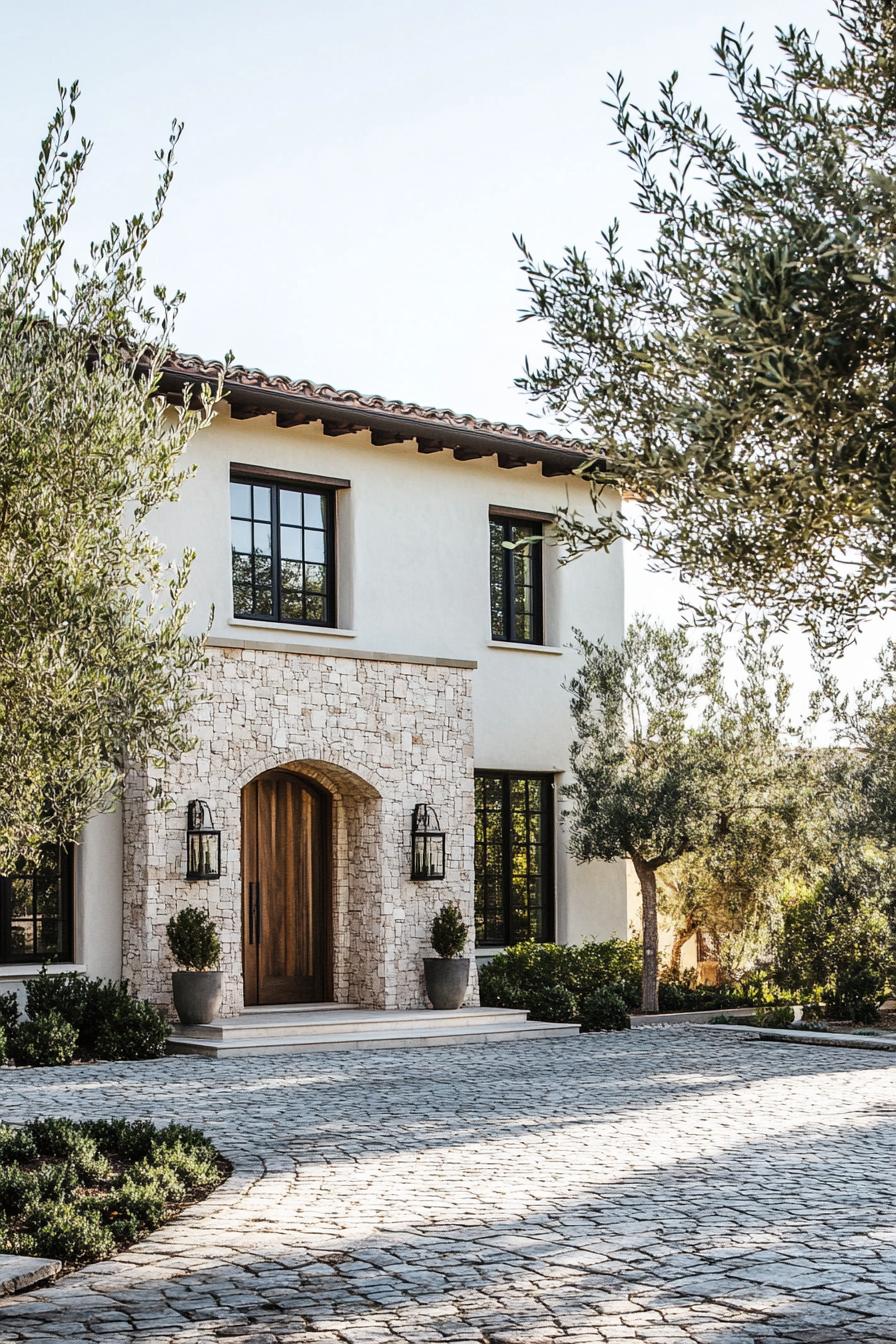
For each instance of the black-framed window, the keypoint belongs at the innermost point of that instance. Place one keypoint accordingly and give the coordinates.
(36, 909)
(514, 864)
(282, 549)
(515, 580)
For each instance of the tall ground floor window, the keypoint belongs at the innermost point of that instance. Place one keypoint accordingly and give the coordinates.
(514, 857)
(36, 909)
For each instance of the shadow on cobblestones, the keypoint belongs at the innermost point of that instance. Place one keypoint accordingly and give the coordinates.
(658, 1187)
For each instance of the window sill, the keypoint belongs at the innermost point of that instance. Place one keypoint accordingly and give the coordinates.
(287, 627)
(28, 970)
(525, 648)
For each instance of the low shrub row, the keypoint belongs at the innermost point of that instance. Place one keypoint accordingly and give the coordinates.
(782, 1016)
(593, 983)
(597, 984)
(73, 1016)
(683, 994)
(76, 1191)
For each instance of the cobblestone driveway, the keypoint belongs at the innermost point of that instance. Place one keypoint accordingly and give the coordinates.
(658, 1185)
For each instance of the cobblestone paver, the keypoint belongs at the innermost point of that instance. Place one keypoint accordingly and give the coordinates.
(651, 1186)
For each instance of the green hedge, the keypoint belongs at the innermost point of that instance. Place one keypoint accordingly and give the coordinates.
(76, 1191)
(73, 1016)
(555, 983)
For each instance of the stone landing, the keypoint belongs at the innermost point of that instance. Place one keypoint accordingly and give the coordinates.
(330, 1026)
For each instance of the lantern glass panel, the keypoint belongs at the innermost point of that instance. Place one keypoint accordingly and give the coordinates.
(436, 856)
(203, 854)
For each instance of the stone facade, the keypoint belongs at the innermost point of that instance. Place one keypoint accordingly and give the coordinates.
(379, 735)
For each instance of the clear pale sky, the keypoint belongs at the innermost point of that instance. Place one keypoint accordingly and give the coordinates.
(352, 170)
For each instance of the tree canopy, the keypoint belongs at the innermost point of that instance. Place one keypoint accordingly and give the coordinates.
(739, 375)
(95, 664)
(670, 760)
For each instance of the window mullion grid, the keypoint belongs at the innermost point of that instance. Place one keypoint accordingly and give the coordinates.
(275, 552)
(509, 577)
(253, 568)
(302, 540)
(537, 549)
(507, 859)
(328, 513)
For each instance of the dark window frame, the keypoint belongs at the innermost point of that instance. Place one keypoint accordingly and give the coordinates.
(65, 870)
(548, 848)
(506, 615)
(275, 482)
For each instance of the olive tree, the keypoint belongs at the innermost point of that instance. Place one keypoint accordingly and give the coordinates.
(867, 722)
(670, 760)
(95, 663)
(738, 374)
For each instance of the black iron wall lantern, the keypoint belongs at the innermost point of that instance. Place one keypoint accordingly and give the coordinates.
(427, 846)
(203, 843)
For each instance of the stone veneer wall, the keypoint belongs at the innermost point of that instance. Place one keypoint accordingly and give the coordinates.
(380, 735)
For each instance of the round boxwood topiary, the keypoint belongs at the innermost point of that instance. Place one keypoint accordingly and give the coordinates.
(449, 931)
(194, 940)
(604, 1010)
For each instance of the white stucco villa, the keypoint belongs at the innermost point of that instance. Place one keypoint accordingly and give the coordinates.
(373, 647)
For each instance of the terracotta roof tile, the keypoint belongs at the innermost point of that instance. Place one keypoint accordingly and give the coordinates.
(242, 381)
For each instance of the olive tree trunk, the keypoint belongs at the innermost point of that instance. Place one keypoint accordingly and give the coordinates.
(649, 937)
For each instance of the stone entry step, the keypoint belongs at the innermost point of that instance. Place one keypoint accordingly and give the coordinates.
(286, 1029)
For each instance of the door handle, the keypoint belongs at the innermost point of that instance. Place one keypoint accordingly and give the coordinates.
(251, 913)
(258, 912)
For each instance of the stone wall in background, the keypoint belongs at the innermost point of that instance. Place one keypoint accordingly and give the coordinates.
(380, 736)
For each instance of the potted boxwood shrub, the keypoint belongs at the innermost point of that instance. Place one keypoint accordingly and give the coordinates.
(448, 973)
(198, 987)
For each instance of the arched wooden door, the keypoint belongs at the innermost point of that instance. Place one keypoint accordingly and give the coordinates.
(286, 826)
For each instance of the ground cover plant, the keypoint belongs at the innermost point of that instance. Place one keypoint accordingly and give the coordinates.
(783, 1019)
(77, 1191)
(73, 1016)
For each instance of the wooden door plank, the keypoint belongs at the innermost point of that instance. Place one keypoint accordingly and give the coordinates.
(292, 946)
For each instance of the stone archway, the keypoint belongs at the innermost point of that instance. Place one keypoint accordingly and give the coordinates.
(379, 736)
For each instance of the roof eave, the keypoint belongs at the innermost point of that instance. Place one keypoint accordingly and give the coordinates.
(293, 408)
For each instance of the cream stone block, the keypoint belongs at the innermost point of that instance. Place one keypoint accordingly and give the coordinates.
(379, 736)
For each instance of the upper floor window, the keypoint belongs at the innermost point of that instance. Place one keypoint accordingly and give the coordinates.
(282, 548)
(36, 909)
(516, 586)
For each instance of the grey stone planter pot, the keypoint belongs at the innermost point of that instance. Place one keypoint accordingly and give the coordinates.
(446, 980)
(197, 995)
